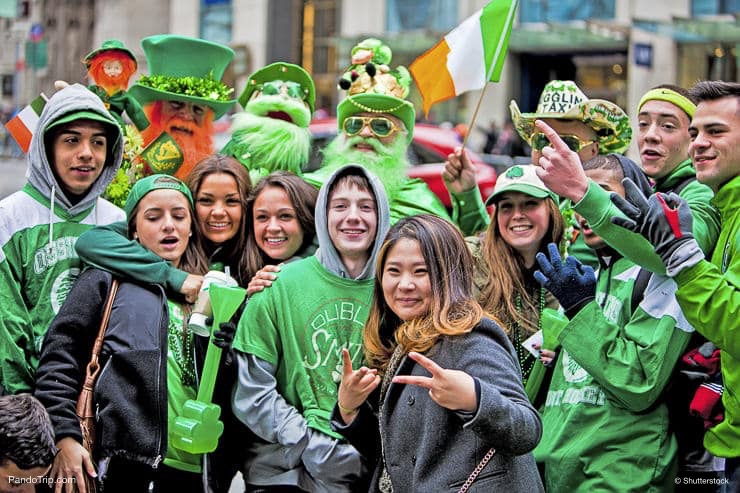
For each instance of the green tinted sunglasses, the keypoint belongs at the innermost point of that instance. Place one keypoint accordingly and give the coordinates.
(276, 87)
(380, 126)
(539, 141)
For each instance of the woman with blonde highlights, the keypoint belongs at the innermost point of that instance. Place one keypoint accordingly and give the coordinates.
(419, 421)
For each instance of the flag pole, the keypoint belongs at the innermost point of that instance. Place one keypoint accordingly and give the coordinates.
(475, 115)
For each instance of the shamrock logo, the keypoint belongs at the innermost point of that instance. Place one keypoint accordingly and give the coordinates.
(514, 172)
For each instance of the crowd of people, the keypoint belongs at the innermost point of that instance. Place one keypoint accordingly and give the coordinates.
(574, 331)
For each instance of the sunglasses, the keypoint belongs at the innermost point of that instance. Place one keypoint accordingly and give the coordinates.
(276, 87)
(380, 126)
(539, 141)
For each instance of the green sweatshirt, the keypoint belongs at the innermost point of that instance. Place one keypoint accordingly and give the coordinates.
(709, 294)
(39, 226)
(598, 210)
(605, 422)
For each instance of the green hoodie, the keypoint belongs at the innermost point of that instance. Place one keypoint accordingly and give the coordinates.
(39, 226)
(709, 294)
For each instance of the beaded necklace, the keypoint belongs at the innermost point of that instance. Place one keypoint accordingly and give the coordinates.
(182, 344)
(526, 359)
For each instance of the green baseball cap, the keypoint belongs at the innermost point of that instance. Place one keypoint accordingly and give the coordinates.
(108, 121)
(151, 183)
(108, 45)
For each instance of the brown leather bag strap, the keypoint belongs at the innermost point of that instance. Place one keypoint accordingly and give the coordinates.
(93, 367)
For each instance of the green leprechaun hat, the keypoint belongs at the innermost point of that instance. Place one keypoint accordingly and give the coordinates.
(285, 72)
(109, 45)
(381, 91)
(185, 69)
(563, 100)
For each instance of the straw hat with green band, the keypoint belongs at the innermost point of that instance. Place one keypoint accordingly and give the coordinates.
(108, 45)
(563, 100)
(185, 69)
(280, 71)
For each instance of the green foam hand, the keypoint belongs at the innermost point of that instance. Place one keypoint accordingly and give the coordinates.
(198, 429)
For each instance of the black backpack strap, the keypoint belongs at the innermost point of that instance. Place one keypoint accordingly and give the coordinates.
(683, 184)
(638, 290)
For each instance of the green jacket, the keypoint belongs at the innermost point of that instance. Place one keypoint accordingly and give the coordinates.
(709, 294)
(605, 421)
(598, 210)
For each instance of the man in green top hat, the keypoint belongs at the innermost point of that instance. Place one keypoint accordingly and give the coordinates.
(376, 125)
(109, 68)
(182, 97)
(272, 133)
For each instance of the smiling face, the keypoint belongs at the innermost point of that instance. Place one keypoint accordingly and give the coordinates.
(715, 141)
(218, 207)
(79, 150)
(523, 221)
(352, 220)
(277, 230)
(162, 223)
(662, 138)
(407, 288)
(611, 181)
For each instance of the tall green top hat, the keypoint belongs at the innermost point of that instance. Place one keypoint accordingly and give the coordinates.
(108, 45)
(282, 71)
(185, 69)
(379, 90)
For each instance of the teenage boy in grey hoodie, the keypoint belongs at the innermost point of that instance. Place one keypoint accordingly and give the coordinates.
(290, 338)
(75, 153)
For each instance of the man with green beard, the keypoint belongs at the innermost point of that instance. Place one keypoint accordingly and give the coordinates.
(272, 133)
(375, 128)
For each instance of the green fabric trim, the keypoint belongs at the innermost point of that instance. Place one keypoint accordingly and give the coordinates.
(208, 88)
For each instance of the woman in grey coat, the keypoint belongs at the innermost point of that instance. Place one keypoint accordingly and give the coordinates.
(442, 387)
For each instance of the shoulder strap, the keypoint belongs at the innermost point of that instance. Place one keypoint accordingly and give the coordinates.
(93, 367)
(683, 184)
(638, 290)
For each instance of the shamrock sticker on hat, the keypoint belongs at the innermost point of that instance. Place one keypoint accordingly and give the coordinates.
(514, 172)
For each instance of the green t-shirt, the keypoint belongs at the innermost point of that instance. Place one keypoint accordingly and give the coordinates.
(300, 326)
(181, 385)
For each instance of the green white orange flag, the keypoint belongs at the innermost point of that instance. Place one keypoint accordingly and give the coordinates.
(22, 126)
(469, 56)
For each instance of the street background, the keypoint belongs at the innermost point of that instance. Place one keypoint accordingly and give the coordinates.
(12, 175)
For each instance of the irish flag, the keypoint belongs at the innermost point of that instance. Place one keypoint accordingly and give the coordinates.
(22, 125)
(469, 56)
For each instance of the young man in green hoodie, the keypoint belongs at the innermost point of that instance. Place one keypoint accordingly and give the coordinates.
(290, 338)
(75, 153)
(709, 291)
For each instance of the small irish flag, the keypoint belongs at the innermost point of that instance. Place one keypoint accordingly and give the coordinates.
(469, 56)
(22, 125)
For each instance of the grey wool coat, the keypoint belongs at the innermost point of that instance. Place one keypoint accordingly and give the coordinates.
(430, 448)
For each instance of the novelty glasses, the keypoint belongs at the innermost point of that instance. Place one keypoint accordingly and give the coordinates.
(539, 141)
(380, 126)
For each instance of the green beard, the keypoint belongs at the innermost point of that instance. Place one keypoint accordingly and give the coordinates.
(388, 163)
(263, 142)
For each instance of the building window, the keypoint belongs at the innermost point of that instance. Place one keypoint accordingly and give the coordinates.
(435, 15)
(565, 10)
(714, 7)
(215, 21)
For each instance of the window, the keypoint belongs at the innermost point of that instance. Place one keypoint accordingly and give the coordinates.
(565, 10)
(714, 7)
(215, 21)
(435, 15)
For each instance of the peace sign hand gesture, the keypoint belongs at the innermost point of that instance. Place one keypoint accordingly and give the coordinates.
(355, 387)
(451, 389)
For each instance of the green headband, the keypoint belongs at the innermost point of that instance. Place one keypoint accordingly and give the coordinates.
(671, 96)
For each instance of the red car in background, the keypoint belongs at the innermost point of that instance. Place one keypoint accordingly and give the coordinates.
(428, 150)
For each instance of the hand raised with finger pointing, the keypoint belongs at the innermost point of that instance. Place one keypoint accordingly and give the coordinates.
(560, 168)
(451, 389)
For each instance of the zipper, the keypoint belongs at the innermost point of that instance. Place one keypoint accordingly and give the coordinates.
(162, 386)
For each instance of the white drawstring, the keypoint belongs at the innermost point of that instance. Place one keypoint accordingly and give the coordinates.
(51, 215)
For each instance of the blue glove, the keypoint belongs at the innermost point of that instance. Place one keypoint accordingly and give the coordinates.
(664, 220)
(571, 282)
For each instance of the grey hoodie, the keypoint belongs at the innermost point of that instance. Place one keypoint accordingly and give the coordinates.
(71, 99)
(327, 254)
